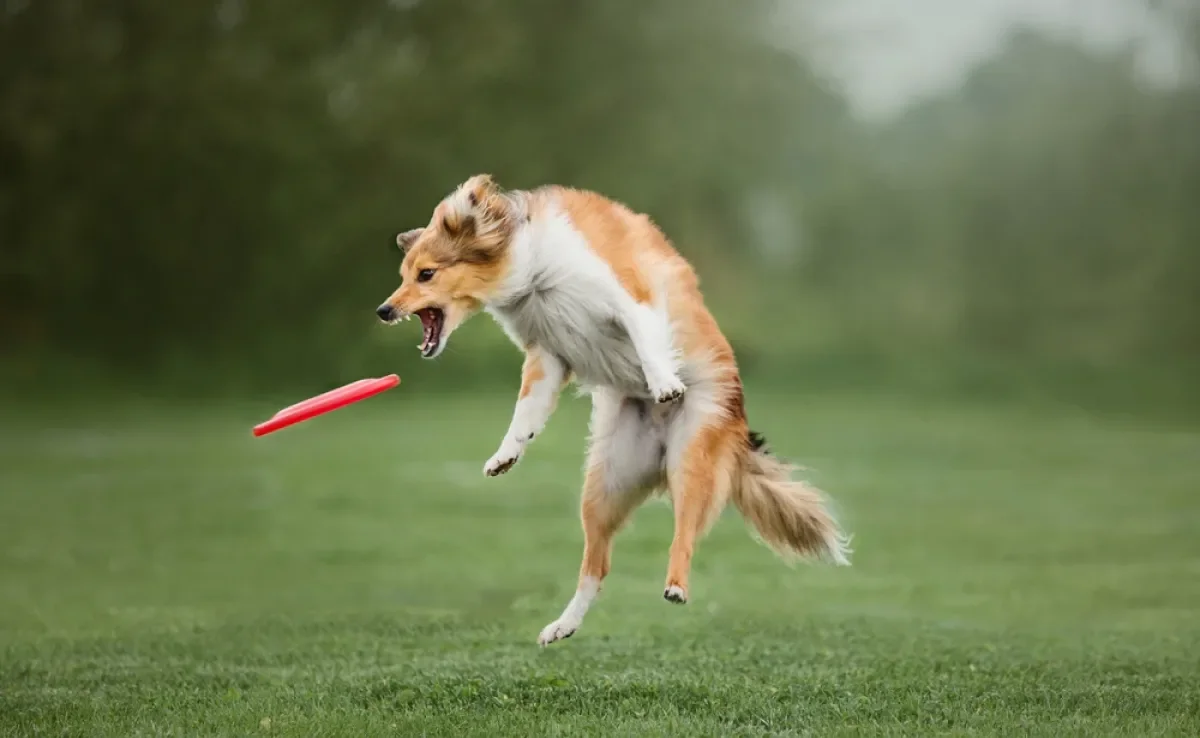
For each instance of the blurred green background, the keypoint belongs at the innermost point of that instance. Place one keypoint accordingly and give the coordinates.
(202, 196)
(964, 290)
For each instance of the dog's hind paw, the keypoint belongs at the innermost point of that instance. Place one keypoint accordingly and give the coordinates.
(675, 594)
(557, 631)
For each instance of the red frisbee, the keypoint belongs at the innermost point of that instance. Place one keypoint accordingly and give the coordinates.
(326, 402)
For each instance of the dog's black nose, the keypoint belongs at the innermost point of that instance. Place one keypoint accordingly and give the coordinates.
(386, 312)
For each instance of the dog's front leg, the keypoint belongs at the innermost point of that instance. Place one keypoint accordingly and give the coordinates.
(542, 380)
(650, 331)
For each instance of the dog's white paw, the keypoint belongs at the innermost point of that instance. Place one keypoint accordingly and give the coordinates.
(504, 459)
(675, 594)
(667, 389)
(557, 631)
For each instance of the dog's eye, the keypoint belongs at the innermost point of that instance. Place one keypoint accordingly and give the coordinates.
(424, 275)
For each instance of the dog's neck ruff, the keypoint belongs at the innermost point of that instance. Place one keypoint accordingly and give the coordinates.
(527, 267)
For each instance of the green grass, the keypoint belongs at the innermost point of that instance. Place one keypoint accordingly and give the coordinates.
(1017, 572)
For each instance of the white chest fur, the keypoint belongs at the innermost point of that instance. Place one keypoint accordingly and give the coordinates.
(564, 299)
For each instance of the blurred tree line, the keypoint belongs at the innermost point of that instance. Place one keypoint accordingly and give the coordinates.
(211, 188)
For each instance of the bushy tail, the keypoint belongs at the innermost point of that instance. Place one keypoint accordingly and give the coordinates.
(789, 515)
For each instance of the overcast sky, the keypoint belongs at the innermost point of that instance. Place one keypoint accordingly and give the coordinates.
(887, 51)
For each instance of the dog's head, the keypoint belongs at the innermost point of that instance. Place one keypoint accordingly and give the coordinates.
(453, 264)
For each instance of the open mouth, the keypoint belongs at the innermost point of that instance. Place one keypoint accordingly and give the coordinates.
(432, 320)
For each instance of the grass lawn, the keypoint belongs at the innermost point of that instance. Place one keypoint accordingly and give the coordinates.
(1016, 572)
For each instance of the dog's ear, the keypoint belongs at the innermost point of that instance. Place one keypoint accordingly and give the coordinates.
(478, 189)
(474, 207)
(406, 239)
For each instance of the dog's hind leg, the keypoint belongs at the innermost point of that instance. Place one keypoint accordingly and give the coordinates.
(624, 466)
(700, 476)
(603, 515)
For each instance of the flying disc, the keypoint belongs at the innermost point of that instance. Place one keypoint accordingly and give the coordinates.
(326, 402)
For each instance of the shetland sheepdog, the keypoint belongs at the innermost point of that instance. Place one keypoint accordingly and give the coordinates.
(595, 293)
